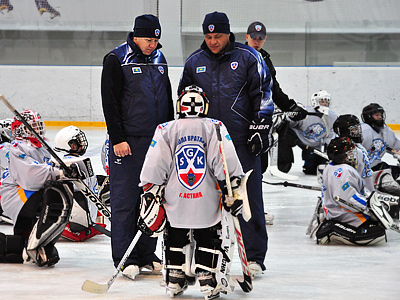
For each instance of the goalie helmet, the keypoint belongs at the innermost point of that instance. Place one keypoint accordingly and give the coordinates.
(71, 140)
(368, 113)
(342, 150)
(348, 126)
(321, 101)
(192, 103)
(5, 131)
(19, 130)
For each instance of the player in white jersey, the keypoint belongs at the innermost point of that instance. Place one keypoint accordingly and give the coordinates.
(315, 131)
(38, 205)
(344, 224)
(73, 143)
(378, 138)
(183, 166)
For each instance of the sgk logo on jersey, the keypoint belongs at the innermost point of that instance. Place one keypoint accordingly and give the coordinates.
(161, 69)
(190, 166)
(234, 65)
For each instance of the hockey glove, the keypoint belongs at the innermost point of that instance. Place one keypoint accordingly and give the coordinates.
(152, 213)
(75, 172)
(233, 205)
(260, 136)
(296, 112)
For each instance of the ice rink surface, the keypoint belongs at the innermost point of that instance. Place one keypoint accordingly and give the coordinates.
(297, 268)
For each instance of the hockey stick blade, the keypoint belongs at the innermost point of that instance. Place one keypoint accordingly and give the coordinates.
(246, 284)
(274, 171)
(95, 288)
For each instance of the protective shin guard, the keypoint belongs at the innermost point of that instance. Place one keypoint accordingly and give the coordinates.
(11, 247)
(57, 202)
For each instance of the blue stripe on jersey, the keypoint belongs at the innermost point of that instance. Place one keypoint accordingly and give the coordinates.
(359, 200)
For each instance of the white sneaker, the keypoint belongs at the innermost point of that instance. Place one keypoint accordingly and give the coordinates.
(269, 219)
(131, 271)
(153, 268)
(254, 269)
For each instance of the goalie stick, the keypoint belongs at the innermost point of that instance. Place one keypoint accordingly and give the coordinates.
(81, 185)
(389, 221)
(316, 151)
(301, 186)
(97, 288)
(246, 285)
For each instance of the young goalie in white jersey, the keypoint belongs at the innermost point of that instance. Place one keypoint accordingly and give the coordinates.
(180, 174)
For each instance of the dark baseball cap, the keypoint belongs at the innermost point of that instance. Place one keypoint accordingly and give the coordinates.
(256, 29)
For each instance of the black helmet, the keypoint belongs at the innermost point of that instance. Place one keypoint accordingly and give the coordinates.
(367, 116)
(341, 150)
(348, 126)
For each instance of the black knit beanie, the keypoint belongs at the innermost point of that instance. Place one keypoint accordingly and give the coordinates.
(216, 22)
(147, 26)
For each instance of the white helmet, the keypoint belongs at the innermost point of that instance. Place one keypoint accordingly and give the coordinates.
(5, 130)
(71, 140)
(19, 130)
(192, 103)
(317, 98)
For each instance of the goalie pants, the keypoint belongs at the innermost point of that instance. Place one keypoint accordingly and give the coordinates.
(125, 200)
(254, 232)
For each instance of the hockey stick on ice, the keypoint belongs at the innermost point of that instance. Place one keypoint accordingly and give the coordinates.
(97, 288)
(81, 185)
(301, 186)
(273, 162)
(246, 284)
(388, 222)
(316, 151)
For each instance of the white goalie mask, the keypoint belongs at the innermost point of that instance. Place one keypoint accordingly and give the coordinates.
(321, 101)
(71, 140)
(192, 103)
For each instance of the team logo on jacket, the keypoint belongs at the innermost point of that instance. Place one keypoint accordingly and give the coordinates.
(234, 65)
(161, 69)
(211, 27)
(136, 70)
(314, 132)
(190, 166)
(258, 27)
(338, 173)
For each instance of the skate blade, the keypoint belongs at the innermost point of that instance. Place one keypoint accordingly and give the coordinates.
(94, 288)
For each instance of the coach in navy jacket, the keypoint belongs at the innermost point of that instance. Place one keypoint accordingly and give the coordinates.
(238, 85)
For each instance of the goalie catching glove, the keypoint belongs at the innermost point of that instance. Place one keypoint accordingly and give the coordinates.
(260, 136)
(296, 112)
(152, 213)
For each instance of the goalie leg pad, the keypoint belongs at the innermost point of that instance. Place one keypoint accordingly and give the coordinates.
(57, 202)
(11, 247)
(79, 220)
(385, 182)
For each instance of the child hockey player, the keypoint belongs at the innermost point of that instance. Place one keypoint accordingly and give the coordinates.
(84, 215)
(180, 174)
(377, 139)
(32, 196)
(349, 223)
(314, 132)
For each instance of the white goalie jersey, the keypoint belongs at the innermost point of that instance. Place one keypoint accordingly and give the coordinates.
(184, 155)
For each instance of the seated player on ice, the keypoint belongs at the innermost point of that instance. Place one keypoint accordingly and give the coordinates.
(349, 223)
(378, 139)
(381, 180)
(73, 143)
(313, 132)
(179, 177)
(34, 196)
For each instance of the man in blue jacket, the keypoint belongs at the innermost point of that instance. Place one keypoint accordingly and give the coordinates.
(238, 85)
(136, 97)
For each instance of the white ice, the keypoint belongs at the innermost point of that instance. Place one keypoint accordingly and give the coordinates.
(297, 268)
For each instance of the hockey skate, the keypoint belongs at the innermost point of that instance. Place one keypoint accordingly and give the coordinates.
(254, 269)
(44, 7)
(269, 219)
(208, 285)
(130, 271)
(177, 282)
(6, 6)
(153, 268)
